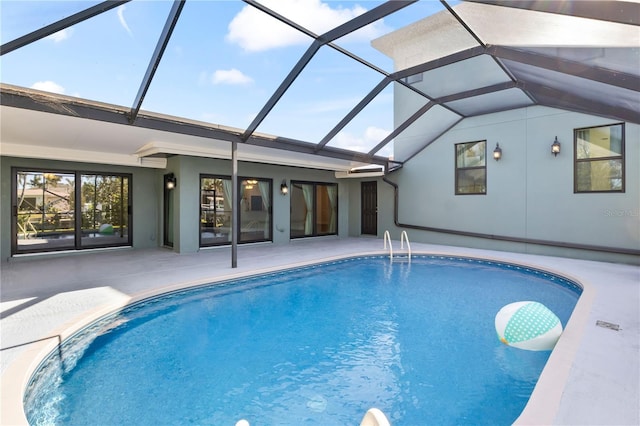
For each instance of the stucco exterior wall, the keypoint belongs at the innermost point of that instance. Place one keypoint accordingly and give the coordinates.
(529, 191)
(148, 216)
(353, 186)
(385, 207)
(187, 195)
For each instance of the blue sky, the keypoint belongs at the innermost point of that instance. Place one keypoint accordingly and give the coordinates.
(222, 64)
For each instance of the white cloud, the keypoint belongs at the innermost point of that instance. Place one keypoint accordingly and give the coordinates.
(123, 22)
(60, 35)
(232, 76)
(255, 31)
(48, 86)
(362, 143)
(376, 134)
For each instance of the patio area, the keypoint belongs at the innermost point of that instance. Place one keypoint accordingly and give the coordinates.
(592, 376)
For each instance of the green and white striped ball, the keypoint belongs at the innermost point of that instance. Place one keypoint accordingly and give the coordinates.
(528, 325)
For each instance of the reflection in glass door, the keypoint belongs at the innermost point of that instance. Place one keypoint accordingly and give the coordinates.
(216, 208)
(104, 210)
(255, 210)
(55, 210)
(44, 212)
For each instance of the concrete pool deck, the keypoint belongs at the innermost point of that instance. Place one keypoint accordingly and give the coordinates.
(591, 378)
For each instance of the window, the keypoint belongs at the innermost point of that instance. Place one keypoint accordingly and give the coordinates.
(599, 159)
(56, 210)
(471, 168)
(413, 79)
(255, 222)
(314, 209)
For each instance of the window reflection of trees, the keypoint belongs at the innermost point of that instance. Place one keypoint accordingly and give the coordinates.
(599, 159)
(471, 172)
(255, 221)
(104, 200)
(46, 210)
(215, 211)
(45, 203)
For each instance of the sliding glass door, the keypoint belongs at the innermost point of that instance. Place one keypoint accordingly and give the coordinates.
(66, 210)
(254, 210)
(314, 209)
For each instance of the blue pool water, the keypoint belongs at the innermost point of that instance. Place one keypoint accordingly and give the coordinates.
(317, 346)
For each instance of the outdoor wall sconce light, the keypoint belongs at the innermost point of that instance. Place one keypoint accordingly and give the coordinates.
(555, 147)
(171, 181)
(497, 153)
(284, 189)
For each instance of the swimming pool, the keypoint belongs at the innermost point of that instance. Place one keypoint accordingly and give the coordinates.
(319, 345)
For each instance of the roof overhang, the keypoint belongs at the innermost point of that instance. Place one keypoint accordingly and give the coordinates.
(43, 125)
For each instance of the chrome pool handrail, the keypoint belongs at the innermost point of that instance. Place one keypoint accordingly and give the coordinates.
(404, 237)
(387, 236)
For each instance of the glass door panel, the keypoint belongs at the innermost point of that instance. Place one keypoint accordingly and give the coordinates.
(326, 209)
(105, 218)
(301, 209)
(215, 211)
(45, 211)
(255, 210)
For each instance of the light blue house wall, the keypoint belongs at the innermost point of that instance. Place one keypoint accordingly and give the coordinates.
(529, 196)
(529, 191)
(148, 202)
(187, 195)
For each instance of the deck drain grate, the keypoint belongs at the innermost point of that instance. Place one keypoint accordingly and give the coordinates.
(608, 325)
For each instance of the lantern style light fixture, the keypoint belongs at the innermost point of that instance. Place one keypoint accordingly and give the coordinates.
(171, 181)
(284, 189)
(555, 147)
(497, 153)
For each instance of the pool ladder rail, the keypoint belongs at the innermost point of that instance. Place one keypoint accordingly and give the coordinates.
(403, 237)
(373, 417)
